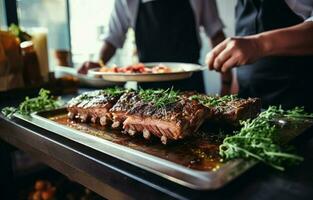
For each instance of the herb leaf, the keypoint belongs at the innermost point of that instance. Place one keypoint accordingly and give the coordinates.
(213, 101)
(159, 97)
(258, 139)
(43, 102)
(8, 111)
(114, 92)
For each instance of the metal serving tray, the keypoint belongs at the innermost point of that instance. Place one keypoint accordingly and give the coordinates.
(191, 178)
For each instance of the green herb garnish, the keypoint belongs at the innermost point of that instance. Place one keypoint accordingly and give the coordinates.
(111, 92)
(159, 97)
(18, 32)
(8, 111)
(114, 92)
(212, 101)
(298, 112)
(259, 139)
(43, 102)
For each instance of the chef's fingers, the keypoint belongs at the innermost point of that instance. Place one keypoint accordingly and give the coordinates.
(230, 63)
(215, 52)
(209, 60)
(86, 66)
(221, 59)
(220, 47)
(83, 69)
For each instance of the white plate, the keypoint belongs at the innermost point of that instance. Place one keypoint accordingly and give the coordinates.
(179, 71)
(83, 79)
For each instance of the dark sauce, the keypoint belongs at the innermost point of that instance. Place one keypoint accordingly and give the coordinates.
(200, 151)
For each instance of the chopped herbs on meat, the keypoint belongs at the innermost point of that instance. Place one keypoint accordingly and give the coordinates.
(211, 101)
(166, 114)
(159, 97)
(114, 92)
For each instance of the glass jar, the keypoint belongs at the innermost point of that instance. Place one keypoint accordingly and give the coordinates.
(31, 70)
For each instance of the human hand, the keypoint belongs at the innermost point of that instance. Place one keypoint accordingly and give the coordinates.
(225, 90)
(86, 66)
(234, 52)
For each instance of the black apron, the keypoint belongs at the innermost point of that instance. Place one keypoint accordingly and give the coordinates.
(165, 31)
(284, 80)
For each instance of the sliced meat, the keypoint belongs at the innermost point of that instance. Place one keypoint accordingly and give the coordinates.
(238, 110)
(231, 112)
(124, 104)
(172, 122)
(92, 107)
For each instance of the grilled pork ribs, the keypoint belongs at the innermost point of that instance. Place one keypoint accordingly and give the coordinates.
(166, 114)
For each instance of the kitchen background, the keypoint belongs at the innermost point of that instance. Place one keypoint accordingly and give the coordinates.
(81, 27)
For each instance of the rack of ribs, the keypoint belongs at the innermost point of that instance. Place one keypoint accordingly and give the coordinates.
(92, 107)
(176, 120)
(232, 112)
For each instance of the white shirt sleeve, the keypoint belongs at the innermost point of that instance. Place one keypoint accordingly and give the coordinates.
(303, 8)
(310, 19)
(210, 19)
(118, 25)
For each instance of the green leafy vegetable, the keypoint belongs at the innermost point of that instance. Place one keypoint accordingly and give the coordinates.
(17, 31)
(258, 139)
(212, 101)
(8, 111)
(298, 112)
(159, 97)
(111, 92)
(114, 92)
(43, 102)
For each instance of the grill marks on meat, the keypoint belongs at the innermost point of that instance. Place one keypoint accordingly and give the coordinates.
(174, 121)
(234, 111)
(122, 106)
(92, 107)
(171, 122)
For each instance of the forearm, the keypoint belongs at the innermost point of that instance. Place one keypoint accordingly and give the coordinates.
(217, 38)
(107, 51)
(292, 41)
(226, 77)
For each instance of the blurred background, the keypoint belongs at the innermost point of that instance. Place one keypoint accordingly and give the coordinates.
(79, 26)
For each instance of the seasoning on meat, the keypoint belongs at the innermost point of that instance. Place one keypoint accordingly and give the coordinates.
(166, 114)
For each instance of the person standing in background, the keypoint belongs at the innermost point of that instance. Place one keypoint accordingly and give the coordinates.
(165, 31)
(273, 50)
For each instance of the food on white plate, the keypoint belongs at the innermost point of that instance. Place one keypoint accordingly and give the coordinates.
(136, 68)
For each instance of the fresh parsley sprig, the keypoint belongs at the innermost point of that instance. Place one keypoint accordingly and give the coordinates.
(114, 92)
(159, 97)
(44, 101)
(259, 139)
(213, 101)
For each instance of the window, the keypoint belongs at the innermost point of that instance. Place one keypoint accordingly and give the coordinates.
(2, 15)
(49, 16)
(89, 24)
(80, 26)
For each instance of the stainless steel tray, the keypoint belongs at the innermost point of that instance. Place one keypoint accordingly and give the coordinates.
(195, 179)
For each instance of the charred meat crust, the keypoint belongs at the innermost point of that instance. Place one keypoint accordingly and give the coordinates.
(234, 111)
(173, 121)
(122, 106)
(92, 107)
